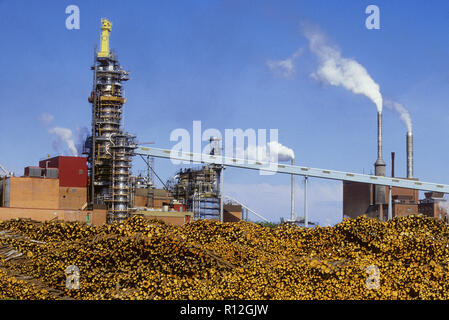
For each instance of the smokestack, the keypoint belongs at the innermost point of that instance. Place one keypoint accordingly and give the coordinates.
(392, 164)
(379, 138)
(409, 155)
(293, 194)
(379, 165)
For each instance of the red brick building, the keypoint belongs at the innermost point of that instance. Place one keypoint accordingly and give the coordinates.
(434, 205)
(358, 199)
(72, 170)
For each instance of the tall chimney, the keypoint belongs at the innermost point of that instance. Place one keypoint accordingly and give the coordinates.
(379, 165)
(409, 155)
(379, 136)
(392, 164)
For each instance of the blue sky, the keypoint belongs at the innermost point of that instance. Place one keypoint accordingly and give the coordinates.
(208, 61)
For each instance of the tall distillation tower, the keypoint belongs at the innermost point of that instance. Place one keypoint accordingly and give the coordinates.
(109, 149)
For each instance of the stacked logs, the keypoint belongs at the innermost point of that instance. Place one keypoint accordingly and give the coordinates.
(362, 258)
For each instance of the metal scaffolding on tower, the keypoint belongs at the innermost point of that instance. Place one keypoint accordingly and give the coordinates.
(109, 149)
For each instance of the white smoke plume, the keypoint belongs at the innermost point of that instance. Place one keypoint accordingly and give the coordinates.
(63, 136)
(81, 136)
(285, 68)
(284, 153)
(339, 71)
(64, 139)
(403, 113)
(271, 152)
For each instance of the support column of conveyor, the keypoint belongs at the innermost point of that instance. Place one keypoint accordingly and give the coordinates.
(292, 195)
(220, 192)
(306, 204)
(390, 204)
(216, 148)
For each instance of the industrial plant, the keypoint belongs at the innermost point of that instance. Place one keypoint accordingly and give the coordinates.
(99, 187)
(88, 227)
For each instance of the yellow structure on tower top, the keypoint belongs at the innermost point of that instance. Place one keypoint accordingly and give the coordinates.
(106, 27)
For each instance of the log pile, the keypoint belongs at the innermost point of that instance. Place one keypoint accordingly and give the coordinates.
(362, 258)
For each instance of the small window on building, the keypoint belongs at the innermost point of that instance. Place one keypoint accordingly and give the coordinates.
(73, 190)
(80, 171)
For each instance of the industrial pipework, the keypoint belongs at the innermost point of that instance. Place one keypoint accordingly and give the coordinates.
(122, 147)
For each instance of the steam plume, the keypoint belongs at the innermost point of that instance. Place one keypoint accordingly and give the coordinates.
(284, 153)
(82, 133)
(285, 68)
(339, 71)
(271, 152)
(63, 135)
(403, 113)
